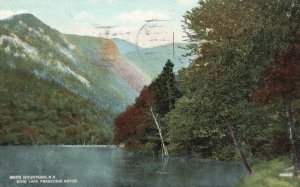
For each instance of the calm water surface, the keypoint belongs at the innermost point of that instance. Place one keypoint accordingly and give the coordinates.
(97, 167)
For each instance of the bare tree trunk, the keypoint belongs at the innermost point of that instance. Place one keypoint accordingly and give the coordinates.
(238, 146)
(291, 120)
(165, 150)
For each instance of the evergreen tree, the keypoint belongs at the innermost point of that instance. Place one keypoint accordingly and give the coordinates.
(165, 87)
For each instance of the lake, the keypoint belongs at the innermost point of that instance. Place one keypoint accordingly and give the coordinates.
(108, 166)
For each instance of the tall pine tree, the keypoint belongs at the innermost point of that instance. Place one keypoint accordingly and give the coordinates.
(165, 87)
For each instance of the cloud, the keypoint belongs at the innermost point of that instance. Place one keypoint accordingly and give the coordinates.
(8, 13)
(139, 15)
(187, 2)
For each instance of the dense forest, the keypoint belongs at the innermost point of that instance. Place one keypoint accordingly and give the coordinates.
(36, 111)
(246, 73)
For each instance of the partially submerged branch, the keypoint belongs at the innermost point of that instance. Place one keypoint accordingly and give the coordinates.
(165, 150)
(238, 146)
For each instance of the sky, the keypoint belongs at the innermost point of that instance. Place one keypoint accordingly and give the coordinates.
(146, 23)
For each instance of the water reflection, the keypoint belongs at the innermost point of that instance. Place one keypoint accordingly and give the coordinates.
(96, 167)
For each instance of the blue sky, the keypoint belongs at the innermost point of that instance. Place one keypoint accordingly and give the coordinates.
(123, 19)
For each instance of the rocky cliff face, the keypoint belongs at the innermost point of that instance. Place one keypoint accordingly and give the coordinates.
(129, 72)
(109, 51)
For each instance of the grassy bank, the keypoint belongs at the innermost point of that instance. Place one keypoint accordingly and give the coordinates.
(266, 174)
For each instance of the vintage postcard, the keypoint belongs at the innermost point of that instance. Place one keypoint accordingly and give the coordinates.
(154, 93)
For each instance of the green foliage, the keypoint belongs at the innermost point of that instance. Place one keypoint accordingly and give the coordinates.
(234, 41)
(166, 90)
(35, 111)
(267, 174)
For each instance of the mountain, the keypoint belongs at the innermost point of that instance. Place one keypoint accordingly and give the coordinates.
(152, 60)
(125, 46)
(88, 66)
(60, 89)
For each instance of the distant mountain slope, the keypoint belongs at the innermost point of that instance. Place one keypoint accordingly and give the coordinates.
(80, 64)
(152, 60)
(111, 58)
(125, 46)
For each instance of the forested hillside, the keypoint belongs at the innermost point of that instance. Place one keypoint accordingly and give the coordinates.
(36, 111)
